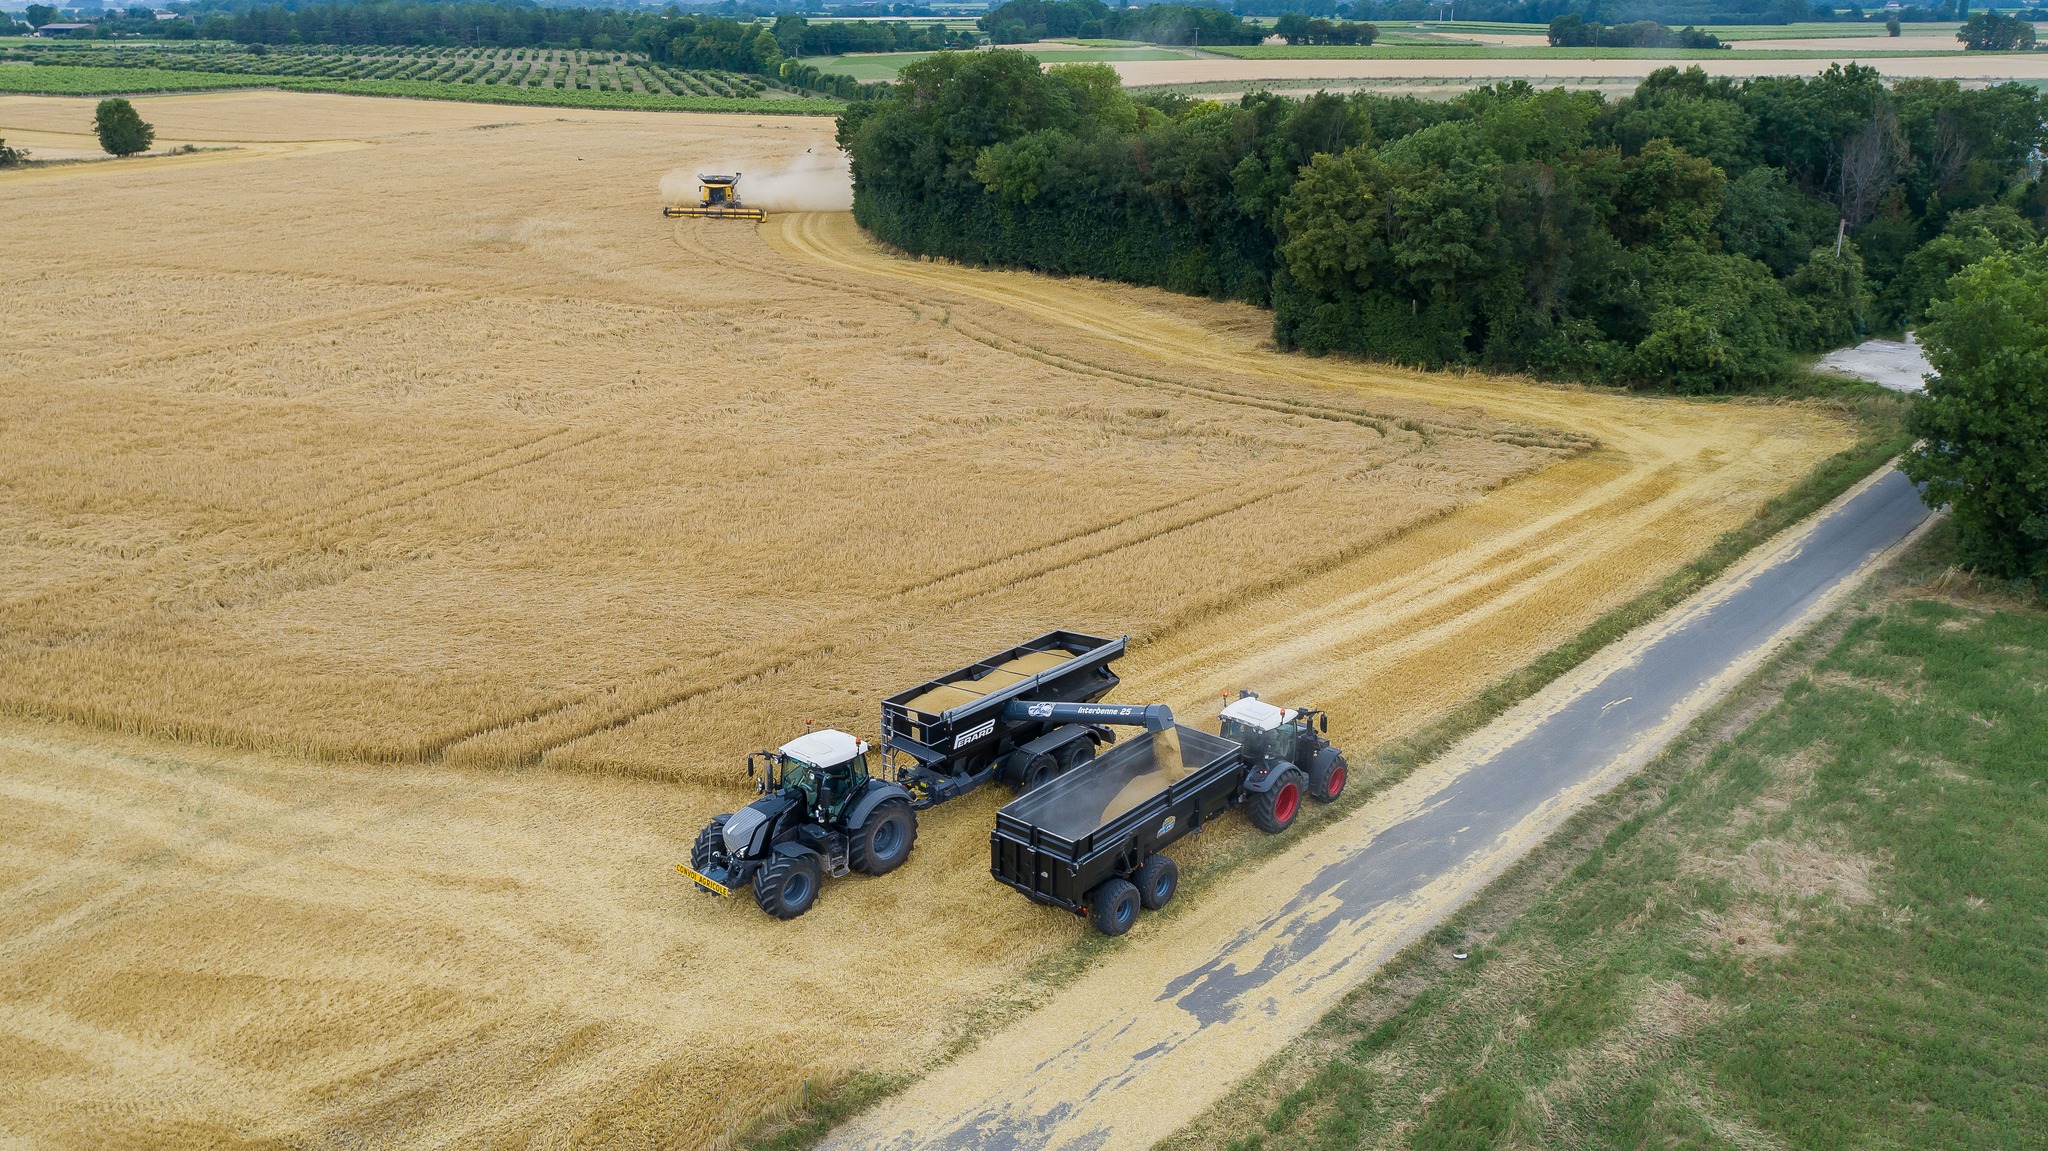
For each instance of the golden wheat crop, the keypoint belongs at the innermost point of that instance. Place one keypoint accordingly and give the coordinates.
(443, 452)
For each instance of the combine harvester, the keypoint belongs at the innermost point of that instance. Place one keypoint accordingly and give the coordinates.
(1027, 717)
(718, 198)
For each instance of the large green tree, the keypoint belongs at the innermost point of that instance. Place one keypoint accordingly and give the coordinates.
(1984, 422)
(121, 129)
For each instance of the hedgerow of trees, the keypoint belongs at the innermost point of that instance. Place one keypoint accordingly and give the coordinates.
(1688, 236)
(1022, 21)
(1983, 426)
(1299, 29)
(1573, 31)
(1990, 32)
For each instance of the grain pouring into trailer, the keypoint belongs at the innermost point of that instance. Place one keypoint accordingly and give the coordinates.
(1090, 842)
(822, 813)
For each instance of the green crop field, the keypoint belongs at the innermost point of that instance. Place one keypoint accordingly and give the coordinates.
(558, 77)
(70, 81)
(1476, 52)
(1806, 31)
(1826, 932)
(877, 66)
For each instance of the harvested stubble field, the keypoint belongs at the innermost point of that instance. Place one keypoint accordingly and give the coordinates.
(344, 484)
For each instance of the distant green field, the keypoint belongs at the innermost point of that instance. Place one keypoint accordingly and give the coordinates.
(67, 81)
(1807, 31)
(1473, 52)
(526, 71)
(63, 80)
(885, 65)
(879, 66)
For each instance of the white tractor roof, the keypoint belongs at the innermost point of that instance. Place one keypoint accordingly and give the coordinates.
(826, 748)
(1257, 713)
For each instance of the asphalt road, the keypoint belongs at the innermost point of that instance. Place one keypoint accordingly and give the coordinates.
(1166, 1024)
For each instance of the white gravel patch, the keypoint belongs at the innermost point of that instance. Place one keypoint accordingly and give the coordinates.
(1902, 367)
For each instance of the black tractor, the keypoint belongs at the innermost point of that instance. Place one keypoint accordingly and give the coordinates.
(820, 813)
(1293, 742)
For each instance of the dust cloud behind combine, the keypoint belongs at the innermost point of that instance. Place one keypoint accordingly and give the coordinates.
(325, 513)
(819, 179)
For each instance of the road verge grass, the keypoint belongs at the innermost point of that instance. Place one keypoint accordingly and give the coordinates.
(1879, 417)
(1824, 931)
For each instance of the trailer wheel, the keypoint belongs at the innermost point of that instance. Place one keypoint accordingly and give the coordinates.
(1038, 772)
(1273, 810)
(788, 886)
(1157, 881)
(882, 843)
(1075, 754)
(709, 841)
(1326, 779)
(1113, 908)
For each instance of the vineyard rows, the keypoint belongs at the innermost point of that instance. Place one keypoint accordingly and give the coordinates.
(554, 69)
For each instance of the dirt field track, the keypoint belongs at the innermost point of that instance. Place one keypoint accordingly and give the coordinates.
(352, 477)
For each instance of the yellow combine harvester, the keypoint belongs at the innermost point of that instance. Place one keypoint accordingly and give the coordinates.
(718, 198)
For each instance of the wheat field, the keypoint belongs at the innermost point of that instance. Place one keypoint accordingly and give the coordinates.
(397, 449)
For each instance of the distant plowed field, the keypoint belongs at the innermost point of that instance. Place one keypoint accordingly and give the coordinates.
(393, 470)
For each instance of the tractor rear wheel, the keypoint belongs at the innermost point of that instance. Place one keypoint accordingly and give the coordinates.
(1113, 907)
(1273, 810)
(1038, 772)
(709, 841)
(1326, 779)
(882, 843)
(1157, 881)
(788, 886)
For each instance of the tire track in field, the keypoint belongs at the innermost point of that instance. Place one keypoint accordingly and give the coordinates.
(299, 536)
(799, 235)
(1689, 455)
(774, 661)
(118, 360)
(443, 746)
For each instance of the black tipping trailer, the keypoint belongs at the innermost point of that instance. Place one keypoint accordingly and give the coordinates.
(949, 735)
(1090, 841)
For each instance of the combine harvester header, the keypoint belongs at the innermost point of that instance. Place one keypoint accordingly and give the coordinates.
(718, 198)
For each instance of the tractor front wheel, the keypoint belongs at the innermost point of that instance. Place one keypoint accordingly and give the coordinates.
(710, 841)
(788, 886)
(1273, 810)
(882, 843)
(1326, 780)
(1113, 908)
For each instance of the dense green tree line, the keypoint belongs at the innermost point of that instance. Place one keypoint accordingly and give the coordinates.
(1687, 236)
(1021, 21)
(429, 22)
(1574, 31)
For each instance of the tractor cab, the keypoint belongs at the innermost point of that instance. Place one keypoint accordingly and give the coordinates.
(1276, 733)
(826, 767)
